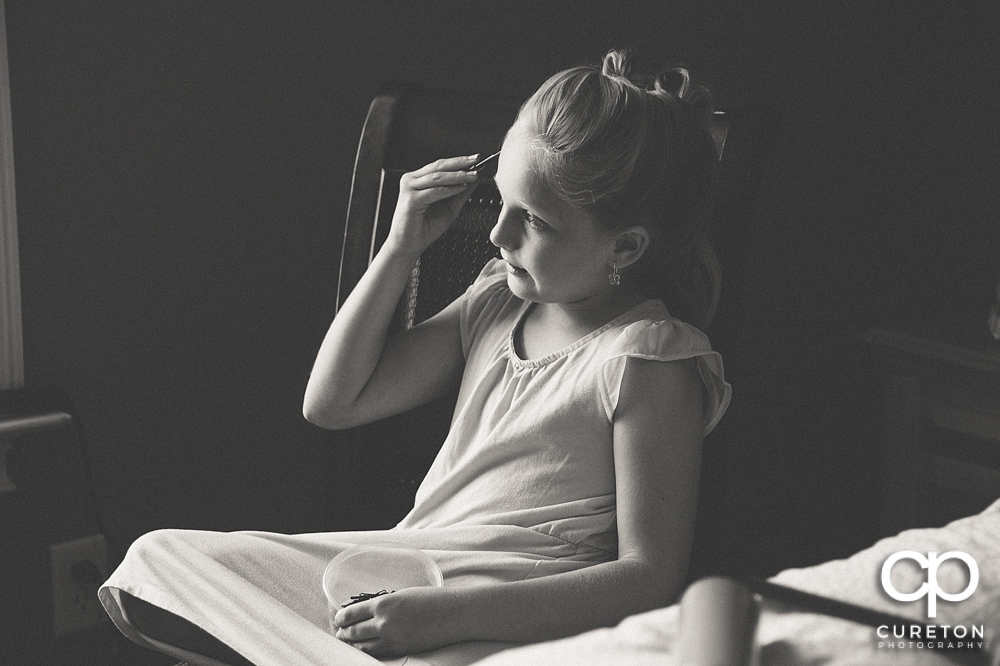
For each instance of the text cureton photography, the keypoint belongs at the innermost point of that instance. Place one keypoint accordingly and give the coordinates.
(930, 636)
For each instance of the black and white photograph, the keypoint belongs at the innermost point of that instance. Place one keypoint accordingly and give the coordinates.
(516, 333)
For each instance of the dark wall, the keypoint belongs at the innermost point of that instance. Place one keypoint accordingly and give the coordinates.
(183, 172)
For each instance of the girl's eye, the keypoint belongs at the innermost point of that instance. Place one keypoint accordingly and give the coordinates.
(533, 221)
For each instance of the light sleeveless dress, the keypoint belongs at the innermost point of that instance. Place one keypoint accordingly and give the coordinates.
(522, 487)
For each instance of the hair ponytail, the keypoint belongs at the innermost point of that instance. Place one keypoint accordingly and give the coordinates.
(630, 148)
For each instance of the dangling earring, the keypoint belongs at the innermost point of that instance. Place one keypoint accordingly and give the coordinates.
(614, 278)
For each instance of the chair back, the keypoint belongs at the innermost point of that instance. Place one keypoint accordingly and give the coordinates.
(407, 127)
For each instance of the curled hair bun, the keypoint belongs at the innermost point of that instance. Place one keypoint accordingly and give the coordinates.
(671, 83)
(618, 65)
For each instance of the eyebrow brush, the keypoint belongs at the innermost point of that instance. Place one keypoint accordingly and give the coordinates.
(488, 166)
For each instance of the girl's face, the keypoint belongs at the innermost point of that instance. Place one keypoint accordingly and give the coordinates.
(555, 253)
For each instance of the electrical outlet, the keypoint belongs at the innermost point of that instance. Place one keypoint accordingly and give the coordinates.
(78, 569)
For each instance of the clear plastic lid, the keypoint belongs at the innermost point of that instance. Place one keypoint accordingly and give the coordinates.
(371, 568)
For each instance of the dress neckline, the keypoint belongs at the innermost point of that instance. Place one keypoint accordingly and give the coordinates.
(526, 306)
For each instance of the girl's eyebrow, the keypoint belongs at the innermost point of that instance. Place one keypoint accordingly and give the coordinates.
(515, 204)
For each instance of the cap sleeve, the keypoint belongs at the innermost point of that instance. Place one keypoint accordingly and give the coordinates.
(480, 298)
(667, 340)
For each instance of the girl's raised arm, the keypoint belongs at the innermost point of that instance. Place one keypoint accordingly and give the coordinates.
(359, 375)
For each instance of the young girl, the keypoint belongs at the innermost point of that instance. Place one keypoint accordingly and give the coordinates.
(563, 498)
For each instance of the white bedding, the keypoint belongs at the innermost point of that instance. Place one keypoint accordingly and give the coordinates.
(789, 637)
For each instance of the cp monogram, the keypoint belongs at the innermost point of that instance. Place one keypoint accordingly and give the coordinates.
(930, 588)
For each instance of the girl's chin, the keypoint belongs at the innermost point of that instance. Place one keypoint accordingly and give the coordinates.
(521, 285)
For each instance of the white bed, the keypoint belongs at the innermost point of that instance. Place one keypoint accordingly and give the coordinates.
(786, 636)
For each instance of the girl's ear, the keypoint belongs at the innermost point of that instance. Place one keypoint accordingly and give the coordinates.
(630, 245)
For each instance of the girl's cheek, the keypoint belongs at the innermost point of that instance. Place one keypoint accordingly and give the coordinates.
(544, 252)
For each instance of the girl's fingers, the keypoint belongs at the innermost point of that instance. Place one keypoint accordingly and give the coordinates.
(440, 179)
(434, 194)
(447, 164)
(362, 631)
(353, 614)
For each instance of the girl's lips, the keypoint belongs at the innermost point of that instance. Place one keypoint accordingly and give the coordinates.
(516, 270)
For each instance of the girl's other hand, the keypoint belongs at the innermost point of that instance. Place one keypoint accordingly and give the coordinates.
(406, 622)
(430, 199)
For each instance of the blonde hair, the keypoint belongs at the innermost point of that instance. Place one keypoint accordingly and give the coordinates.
(634, 149)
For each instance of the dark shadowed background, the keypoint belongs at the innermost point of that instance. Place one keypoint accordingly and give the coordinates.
(183, 171)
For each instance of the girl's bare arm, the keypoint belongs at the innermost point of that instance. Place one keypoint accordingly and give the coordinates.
(360, 374)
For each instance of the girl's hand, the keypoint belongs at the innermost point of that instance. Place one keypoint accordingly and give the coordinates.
(409, 621)
(430, 199)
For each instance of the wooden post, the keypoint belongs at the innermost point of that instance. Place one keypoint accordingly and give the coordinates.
(11, 342)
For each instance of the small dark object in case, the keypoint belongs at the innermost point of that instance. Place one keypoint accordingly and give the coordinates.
(487, 167)
(365, 596)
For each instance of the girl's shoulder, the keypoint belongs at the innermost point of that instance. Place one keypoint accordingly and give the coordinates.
(656, 336)
(651, 332)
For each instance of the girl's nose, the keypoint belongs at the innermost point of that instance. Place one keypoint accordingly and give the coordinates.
(502, 234)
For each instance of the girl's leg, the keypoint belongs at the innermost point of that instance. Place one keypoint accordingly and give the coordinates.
(172, 629)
